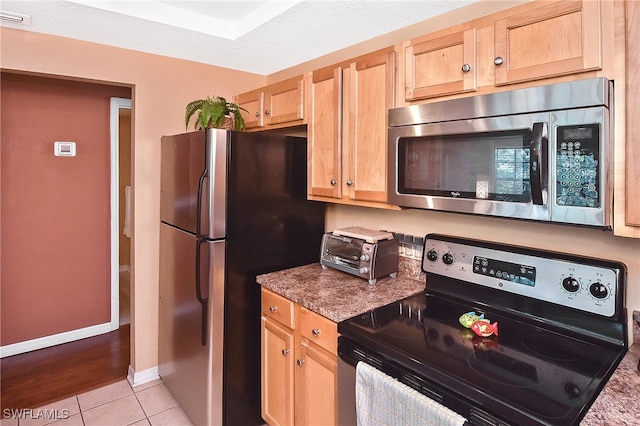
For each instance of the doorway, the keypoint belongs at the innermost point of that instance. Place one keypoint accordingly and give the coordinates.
(121, 230)
(57, 208)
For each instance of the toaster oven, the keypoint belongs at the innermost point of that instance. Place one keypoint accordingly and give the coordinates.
(365, 253)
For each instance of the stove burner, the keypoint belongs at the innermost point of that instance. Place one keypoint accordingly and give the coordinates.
(505, 370)
(552, 347)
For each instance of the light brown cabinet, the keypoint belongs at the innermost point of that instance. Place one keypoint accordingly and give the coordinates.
(347, 129)
(277, 105)
(547, 40)
(440, 66)
(632, 154)
(535, 41)
(277, 359)
(299, 364)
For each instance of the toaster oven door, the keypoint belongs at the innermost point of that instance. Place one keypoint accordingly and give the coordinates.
(343, 251)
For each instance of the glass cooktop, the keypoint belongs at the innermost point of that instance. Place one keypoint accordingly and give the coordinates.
(527, 369)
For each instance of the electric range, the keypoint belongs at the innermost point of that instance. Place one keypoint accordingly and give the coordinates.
(561, 332)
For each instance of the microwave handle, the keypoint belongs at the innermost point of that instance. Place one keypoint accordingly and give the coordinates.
(538, 162)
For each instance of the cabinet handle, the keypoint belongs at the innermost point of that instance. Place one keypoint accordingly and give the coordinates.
(272, 309)
(349, 182)
(285, 352)
(257, 114)
(466, 68)
(300, 362)
(333, 182)
(267, 112)
(315, 332)
(498, 60)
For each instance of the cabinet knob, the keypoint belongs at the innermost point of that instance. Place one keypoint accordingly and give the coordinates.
(300, 362)
(498, 60)
(315, 332)
(257, 114)
(466, 68)
(333, 182)
(267, 112)
(349, 182)
(285, 352)
(272, 309)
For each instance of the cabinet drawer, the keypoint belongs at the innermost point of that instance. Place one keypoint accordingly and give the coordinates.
(278, 308)
(318, 329)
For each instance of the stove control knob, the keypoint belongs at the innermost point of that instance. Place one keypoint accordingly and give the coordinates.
(364, 270)
(447, 258)
(599, 290)
(432, 255)
(571, 284)
(365, 257)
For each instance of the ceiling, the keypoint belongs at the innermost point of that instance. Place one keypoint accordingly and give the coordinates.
(262, 37)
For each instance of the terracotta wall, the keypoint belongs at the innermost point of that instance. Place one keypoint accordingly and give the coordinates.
(161, 88)
(55, 210)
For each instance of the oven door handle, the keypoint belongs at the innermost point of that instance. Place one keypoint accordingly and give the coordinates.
(538, 163)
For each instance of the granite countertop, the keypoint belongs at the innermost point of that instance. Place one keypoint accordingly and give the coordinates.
(335, 294)
(618, 403)
(339, 296)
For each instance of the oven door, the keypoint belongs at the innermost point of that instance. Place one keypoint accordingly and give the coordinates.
(491, 166)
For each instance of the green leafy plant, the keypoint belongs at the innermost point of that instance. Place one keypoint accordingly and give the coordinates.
(213, 112)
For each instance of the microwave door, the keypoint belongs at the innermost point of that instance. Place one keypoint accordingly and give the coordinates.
(490, 166)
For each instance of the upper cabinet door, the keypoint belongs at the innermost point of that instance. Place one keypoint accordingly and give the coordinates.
(274, 106)
(440, 66)
(253, 102)
(370, 95)
(556, 38)
(324, 133)
(283, 101)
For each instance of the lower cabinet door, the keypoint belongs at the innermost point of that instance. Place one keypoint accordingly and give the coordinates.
(277, 374)
(316, 385)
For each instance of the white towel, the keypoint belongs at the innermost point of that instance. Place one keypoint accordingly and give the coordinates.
(382, 400)
(126, 231)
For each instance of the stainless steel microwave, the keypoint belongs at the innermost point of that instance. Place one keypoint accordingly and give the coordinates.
(541, 153)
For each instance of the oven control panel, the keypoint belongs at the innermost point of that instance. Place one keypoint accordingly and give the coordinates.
(571, 281)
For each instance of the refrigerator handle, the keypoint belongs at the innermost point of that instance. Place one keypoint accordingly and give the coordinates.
(204, 301)
(201, 182)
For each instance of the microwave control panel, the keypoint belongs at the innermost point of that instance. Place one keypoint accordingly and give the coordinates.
(577, 165)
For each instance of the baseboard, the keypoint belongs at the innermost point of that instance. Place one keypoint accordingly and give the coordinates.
(142, 377)
(57, 339)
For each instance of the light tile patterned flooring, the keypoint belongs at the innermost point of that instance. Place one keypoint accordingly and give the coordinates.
(117, 404)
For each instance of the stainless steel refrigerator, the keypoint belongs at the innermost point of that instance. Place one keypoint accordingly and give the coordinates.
(233, 206)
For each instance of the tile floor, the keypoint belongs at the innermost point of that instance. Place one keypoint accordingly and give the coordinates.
(117, 404)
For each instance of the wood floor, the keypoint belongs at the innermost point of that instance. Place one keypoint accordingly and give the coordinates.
(37, 378)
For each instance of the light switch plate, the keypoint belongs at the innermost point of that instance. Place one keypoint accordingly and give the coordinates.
(64, 149)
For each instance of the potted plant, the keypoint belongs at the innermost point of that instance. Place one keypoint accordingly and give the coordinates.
(215, 112)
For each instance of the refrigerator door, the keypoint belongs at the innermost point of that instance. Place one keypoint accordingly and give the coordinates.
(271, 226)
(190, 369)
(193, 182)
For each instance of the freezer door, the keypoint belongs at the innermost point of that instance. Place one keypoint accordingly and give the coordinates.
(191, 322)
(194, 182)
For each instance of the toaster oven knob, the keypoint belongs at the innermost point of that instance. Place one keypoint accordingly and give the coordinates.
(365, 257)
(447, 258)
(432, 255)
(364, 270)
